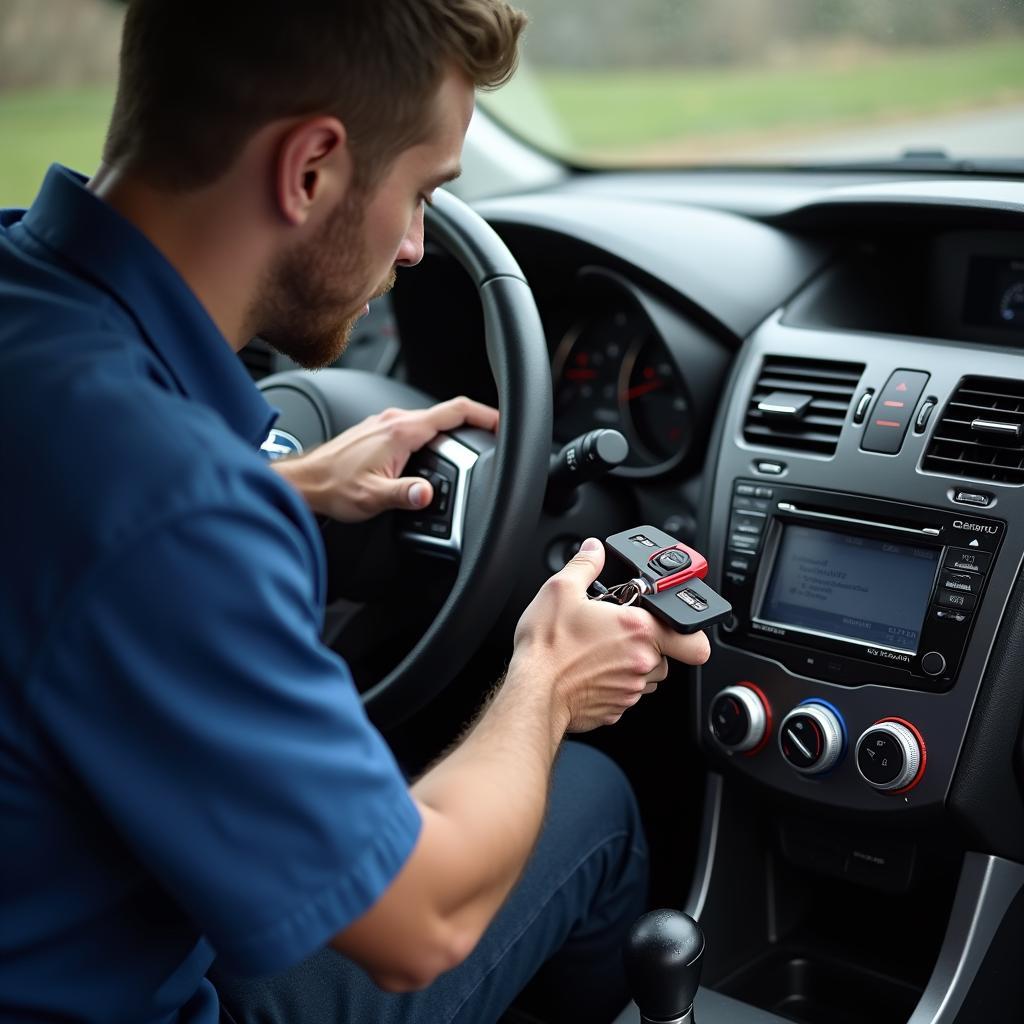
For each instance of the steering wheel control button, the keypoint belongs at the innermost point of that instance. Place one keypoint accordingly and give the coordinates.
(893, 411)
(739, 719)
(933, 664)
(438, 527)
(811, 738)
(890, 756)
(968, 560)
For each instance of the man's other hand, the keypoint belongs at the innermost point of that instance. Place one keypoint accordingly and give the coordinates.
(357, 474)
(601, 658)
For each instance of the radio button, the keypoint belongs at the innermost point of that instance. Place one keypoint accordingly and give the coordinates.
(948, 615)
(743, 543)
(764, 492)
(739, 564)
(754, 504)
(933, 664)
(968, 559)
(749, 526)
(962, 582)
(745, 490)
(962, 602)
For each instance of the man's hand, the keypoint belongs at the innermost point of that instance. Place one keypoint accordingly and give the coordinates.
(601, 658)
(358, 474)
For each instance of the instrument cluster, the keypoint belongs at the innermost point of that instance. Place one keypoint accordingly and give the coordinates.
(612, 368)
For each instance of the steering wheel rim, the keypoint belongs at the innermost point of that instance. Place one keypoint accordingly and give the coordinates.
(507, 485)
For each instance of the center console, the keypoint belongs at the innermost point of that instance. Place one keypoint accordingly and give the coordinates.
(867, 588)
(865, 523)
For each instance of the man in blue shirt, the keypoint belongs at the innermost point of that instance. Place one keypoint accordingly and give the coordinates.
(185, 770)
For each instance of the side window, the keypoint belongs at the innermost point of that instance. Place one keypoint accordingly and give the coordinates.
(58, 66)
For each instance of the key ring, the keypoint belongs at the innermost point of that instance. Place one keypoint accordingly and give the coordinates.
(624, 594)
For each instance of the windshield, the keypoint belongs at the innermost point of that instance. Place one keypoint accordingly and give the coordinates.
(633, 83)
(677, 82)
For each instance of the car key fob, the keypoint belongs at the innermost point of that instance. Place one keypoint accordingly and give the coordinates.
(670, 578)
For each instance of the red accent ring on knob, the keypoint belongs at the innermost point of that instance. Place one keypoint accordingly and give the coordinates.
(924, 752)
(767, 717)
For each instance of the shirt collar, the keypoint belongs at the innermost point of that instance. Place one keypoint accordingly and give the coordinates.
(113, 254)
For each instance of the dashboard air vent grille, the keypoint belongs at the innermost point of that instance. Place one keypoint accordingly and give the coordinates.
(801, 404)
(981, 432)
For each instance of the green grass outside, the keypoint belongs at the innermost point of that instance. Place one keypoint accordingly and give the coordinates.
(37, 128)
(609, 113)
(617, 111)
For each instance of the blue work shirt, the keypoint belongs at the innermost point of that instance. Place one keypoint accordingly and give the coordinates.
(185, 770)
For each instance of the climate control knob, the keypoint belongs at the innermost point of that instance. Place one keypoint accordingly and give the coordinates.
(812, 738)
(891, 756)
(739, 718)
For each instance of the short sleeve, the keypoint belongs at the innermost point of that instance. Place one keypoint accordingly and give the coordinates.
(190, 693)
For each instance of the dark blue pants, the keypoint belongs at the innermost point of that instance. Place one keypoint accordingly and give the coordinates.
(563, 926)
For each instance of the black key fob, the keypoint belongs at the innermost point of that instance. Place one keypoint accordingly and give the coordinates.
(671, 578)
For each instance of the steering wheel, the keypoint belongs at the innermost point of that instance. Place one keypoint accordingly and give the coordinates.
(496, 485)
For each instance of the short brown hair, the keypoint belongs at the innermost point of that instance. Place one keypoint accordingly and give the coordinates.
(198, 78)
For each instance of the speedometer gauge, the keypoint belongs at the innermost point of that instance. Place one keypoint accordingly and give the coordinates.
(587, 369)
(654, 401)
(612, 370)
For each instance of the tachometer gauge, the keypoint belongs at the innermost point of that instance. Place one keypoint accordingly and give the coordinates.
(654, 401)
(587, 368)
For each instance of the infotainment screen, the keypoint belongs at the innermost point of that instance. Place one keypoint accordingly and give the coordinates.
(852, 588)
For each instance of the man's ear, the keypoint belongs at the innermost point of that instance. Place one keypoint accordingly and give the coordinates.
(313, 168)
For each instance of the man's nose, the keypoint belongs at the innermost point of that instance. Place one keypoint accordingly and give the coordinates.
(410, 252)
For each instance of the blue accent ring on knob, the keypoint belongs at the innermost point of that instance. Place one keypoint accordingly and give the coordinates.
(842, 728)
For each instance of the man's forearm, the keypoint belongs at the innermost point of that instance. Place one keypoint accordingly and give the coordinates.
(490, 793)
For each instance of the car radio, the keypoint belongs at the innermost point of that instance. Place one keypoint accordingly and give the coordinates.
(854, 590)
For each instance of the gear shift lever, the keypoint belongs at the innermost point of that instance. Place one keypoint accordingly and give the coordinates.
(663, 960)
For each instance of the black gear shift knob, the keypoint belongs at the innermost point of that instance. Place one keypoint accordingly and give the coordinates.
(663, 960)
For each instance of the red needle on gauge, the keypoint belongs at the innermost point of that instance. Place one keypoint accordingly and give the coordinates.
(642, 389)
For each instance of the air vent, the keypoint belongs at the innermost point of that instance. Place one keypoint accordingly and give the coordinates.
(258, 358)
(981, 432)
(801, 403)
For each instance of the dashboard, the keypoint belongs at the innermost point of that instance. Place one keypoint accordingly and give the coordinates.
(824, 384)
(821, 380)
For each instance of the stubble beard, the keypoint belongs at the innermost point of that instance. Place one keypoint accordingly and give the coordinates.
(315, 293)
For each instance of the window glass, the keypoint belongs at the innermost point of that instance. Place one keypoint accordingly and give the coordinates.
(671, 82)
(58, 63)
